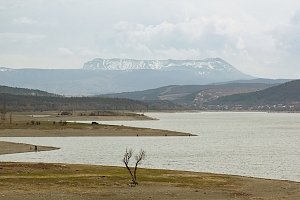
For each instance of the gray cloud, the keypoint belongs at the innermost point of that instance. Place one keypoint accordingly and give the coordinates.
(24, 21)
(261, 38)
(194, 38)
(65, 51)
(288, 36)
(20, 37)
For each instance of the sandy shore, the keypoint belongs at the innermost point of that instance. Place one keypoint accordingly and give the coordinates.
(24, 181)
(48, 124)
(10, 147)
(46, 129)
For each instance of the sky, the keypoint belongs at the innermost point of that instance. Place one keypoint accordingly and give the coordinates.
(258, 37)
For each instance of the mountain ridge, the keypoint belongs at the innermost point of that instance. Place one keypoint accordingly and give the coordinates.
(286, 94)
(122, 76)
(204, 66)
(24, 91)
(191, 95)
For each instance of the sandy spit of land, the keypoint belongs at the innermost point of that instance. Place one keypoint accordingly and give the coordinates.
(10, 147)
(77, 116)
(26, 181)
(49, 124)
(46, 129)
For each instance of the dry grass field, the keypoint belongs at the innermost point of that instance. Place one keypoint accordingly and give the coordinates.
(22, 181)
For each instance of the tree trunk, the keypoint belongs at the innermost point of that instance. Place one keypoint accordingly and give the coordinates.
(133, 176)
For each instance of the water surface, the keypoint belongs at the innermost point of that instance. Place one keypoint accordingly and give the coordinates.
(263, 145)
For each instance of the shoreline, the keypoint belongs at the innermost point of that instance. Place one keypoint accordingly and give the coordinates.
(12, 148)
(83, 130)
(77, 181)
(217, 111)
(139, 168)
(7, 147)
(49, 124)
(31, 180)
(80, 116)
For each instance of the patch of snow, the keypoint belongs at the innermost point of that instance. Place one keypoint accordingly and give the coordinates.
(4, 69)
(209, 64)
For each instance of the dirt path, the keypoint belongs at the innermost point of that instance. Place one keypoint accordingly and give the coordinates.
(24, 181)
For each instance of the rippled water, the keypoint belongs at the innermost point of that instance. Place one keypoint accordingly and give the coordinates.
(252, 144)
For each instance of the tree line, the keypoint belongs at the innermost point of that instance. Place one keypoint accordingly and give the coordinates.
(48, 103)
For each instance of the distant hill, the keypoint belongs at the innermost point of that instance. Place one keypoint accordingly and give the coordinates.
(10, 102)
(101, 76)
(286, 94)
(191, 94)
(170, 92)
(24, 91)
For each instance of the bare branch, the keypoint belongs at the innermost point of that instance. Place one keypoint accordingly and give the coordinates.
(127, 156)
(141, 156)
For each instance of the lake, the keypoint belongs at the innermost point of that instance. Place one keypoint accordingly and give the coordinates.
(257, 144)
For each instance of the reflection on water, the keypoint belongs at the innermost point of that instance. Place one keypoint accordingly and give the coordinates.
(251, 144)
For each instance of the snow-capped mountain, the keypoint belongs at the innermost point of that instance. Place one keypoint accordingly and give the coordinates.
(4, 69)
(207, 65)
(101, 76)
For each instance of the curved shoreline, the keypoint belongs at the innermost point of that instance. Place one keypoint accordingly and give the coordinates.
(12, 147)
(75, 181)
(78, 181)
(49, 124)
(84, 130)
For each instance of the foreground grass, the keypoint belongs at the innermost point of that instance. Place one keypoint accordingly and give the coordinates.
(61, 181)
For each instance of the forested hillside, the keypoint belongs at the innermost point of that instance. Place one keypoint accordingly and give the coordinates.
(24, 91)
(9, 102)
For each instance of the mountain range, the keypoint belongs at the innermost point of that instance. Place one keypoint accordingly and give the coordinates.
(204, 67)
(231, 96)
(101, 76)
(23, 99)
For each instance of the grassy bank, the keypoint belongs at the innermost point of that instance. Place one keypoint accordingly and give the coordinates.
(48, 129)
(49, 124)
(62, 181)
(26, 181)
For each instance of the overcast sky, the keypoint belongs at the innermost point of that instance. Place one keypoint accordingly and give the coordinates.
(259, 37)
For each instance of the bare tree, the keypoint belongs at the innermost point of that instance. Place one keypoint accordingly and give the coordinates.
(126, 158)
(10, 118)
(138, 158)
